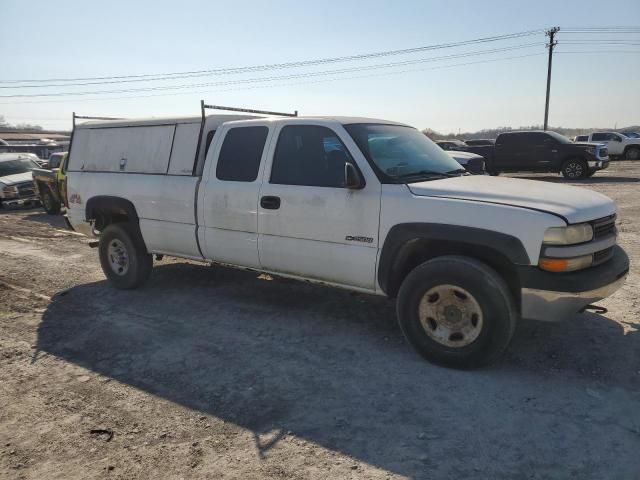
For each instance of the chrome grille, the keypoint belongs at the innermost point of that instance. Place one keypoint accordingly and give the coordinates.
(26, 189)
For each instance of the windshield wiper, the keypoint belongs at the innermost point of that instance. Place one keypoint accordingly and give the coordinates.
(428, 173)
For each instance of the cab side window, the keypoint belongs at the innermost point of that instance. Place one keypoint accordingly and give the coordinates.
(309, 155)
(240, 154)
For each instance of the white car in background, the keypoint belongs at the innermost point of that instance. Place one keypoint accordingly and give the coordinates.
(16, 179)
(472, 162)
(618, 144)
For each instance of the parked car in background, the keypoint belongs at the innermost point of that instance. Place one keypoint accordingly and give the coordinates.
(368, 205)
(472, 162)
(480, 142)
(542, 151)
(451, 144)
(16, 181)
(581, 138)
(50, 184)
(619, 145)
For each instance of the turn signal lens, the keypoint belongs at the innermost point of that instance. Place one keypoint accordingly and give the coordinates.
(565, 264)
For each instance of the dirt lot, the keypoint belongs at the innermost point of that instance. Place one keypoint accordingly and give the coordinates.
(218, 373)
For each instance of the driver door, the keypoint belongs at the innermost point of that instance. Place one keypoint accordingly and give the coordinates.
(309, 224)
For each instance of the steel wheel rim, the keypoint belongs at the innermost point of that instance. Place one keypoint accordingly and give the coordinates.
(574, 170)
(118, 257)
(450, 316)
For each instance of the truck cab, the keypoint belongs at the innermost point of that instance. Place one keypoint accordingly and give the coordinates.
(369, 205)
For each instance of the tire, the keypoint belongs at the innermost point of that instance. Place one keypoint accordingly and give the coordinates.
(632, 153)
(489, 299)
(48, 200)
(123, 256)
(494, 173)
(574, 168)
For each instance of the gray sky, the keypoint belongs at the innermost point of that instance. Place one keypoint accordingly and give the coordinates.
(481, 85)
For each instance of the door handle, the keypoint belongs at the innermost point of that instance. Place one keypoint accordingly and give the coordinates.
(270, 203)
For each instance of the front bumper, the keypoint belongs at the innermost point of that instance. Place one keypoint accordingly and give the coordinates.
(21, 201)
(598, 164)
(556, 296)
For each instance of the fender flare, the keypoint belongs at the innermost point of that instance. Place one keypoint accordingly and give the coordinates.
(402, 237)
(112, 204)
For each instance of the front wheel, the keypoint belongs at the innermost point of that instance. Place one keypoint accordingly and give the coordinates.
(632, 154)
(49, 203)
(574, 168)
(457, 312)
(123, 256)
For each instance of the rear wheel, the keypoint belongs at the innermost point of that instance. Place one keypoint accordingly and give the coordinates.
(457, 312)
(123, 256)
(49, 203)
(574, 168)
(632, 153)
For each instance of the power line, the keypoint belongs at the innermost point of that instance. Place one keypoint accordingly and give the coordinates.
(253, 87)
(303, 63)
(282, 77)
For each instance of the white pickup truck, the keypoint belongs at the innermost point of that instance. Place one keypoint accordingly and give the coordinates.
(368, 205)
(618, 145)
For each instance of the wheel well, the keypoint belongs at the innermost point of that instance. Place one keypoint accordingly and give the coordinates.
(629, 147)
(574, 157)
(418, 251)
(103, 211)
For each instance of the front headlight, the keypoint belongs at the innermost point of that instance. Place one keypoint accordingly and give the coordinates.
(570, 235)
(11, 191)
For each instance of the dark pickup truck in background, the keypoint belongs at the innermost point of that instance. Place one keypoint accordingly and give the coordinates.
(540, 151)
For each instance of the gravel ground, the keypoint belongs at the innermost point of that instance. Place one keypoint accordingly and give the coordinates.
(218, 373)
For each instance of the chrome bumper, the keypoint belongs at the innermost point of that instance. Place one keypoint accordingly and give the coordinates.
(599, 164)
(555, 306)
(19, 202)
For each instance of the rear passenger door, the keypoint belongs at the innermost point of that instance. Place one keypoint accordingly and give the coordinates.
(311, 225)
(228, 199)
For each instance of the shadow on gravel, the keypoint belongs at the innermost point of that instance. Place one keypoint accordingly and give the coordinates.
(41, 217)
(275, 356)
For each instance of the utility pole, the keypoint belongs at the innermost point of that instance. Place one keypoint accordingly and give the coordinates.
(551, 33)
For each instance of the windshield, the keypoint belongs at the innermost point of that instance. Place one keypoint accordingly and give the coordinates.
(558, 137)
(12, 167)
(399, 153)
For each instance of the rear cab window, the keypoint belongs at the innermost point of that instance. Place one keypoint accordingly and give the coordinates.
(240, 154)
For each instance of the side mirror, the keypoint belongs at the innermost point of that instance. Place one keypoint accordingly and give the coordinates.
(352, 179)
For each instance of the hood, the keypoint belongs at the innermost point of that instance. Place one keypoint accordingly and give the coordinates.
(572, 203)
(16, 178)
